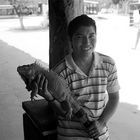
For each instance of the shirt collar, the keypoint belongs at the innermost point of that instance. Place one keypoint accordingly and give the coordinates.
(97, 59)
(71, 64)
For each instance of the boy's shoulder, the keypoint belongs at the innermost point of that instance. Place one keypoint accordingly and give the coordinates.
(106, 59)
(59, 66)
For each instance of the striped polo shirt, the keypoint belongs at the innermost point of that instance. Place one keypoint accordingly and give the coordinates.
(90, 91)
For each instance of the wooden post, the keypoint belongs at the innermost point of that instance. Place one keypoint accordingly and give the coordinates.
(61, 12)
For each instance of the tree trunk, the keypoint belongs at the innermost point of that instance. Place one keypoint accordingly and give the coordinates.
(61, 12)
(21, 22)
(18, 11)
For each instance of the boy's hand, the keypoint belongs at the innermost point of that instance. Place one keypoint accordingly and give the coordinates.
(96, 129)
(42, 84)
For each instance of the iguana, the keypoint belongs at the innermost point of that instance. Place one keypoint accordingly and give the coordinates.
(58, 88)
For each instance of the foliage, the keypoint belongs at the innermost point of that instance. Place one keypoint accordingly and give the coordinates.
(21, 7)
(124, 6)
(116, 1)
(26, 3)
(105, 3)
(121, 5)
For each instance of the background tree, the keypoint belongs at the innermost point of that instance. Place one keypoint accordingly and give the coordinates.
(22, 9)
(105, 4)
(115, 1)
(121, 5)
(124, 6)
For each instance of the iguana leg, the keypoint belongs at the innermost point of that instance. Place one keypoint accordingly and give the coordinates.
(34, 91)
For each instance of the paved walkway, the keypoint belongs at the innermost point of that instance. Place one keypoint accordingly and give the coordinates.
(12, 92)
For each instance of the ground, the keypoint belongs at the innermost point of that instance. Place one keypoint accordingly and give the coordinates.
(114, 37)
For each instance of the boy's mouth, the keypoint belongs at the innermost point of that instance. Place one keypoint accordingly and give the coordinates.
(86, 48)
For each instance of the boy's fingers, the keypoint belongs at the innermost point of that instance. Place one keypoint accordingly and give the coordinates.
(45, 84)
(38, 78)
(41, 83)
(34, 91)
(94, 133)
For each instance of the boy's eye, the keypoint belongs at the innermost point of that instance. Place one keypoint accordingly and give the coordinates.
(79, 36)
(92, 36)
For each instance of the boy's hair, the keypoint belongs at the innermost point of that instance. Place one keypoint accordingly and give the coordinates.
(82, 20)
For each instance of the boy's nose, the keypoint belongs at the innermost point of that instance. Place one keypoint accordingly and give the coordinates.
(86, 40)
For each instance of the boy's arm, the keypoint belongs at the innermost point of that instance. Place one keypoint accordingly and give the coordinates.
(110, 107)
(57, 108)
(107, 113)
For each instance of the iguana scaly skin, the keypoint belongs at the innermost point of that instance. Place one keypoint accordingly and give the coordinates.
(58, 88)
(56, 85)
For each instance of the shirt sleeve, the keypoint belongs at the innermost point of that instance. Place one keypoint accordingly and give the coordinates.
(112, 81)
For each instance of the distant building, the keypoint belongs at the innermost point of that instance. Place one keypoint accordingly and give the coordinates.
(4, 2)
(6, 10)
(91, 7)
(33, 7)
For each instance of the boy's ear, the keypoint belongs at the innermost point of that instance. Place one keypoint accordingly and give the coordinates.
(70, 44)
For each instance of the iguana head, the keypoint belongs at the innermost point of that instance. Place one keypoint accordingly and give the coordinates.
(27, 73)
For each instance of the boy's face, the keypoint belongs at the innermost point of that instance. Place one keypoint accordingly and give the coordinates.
(84, 41)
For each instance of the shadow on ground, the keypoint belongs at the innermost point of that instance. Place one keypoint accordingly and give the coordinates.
(125, 124)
